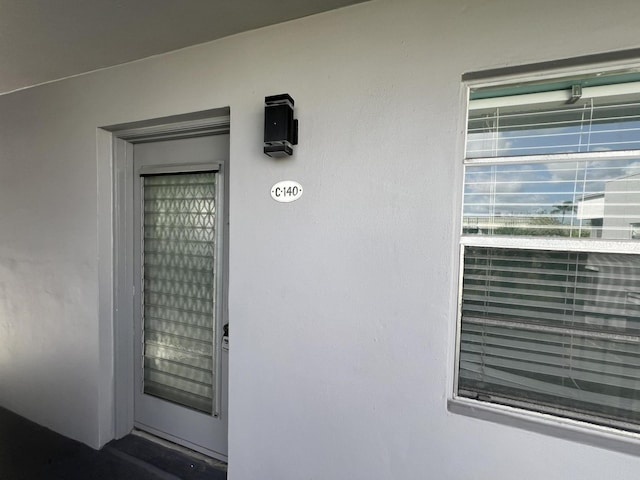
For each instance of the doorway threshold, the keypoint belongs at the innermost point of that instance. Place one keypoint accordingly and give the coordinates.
(159, 455)
(31, 451)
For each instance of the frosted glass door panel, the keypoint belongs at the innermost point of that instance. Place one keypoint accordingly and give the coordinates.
(179, 288)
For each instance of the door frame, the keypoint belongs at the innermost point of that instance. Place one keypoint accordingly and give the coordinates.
(115, 252)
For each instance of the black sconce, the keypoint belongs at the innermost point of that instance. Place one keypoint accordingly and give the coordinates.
(280, 128)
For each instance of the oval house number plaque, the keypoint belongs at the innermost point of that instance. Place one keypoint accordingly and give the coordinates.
(286, 191)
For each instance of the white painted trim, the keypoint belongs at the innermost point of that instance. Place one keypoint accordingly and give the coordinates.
(456, 228)
(547, 424)
(554, 74)
(554, 96)
(181, 441)
(163, 169)
(114, 156)
(219, 282)
(123, 287)
(460, 279)
(187, 128)
(104, 154)
(554, 157)
(115, 415)
(551, 243)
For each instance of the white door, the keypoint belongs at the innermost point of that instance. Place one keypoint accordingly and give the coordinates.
(181, 364)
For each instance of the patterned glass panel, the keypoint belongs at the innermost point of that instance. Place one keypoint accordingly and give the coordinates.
(178, 277)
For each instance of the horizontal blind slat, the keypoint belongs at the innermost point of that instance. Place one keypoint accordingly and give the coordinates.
(562, 366)
(500, 377)
(567, 348)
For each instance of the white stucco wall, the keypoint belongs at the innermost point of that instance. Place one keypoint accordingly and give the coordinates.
(341, 303)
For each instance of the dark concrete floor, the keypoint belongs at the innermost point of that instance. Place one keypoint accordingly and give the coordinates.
(31, 452)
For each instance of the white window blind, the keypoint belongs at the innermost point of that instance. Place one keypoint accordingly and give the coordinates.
(545, 123)
(552, 330)
(557, 328)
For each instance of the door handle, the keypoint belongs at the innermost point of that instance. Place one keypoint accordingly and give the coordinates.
(225, 337)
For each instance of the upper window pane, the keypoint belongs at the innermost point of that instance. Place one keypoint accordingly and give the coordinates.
(585, 199)
(544, 123)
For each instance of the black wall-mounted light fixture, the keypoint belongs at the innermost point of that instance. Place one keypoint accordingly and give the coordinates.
(280, 128)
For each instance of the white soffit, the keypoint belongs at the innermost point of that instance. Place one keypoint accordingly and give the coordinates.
(45, 40)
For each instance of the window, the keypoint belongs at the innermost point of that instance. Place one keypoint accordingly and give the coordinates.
(550, 289)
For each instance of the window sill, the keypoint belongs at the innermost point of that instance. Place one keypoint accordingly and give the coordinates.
(566, 429)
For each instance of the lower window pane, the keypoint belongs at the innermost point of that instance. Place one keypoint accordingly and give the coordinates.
(553, 330)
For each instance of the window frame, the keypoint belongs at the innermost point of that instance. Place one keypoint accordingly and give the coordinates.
(521, 416)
